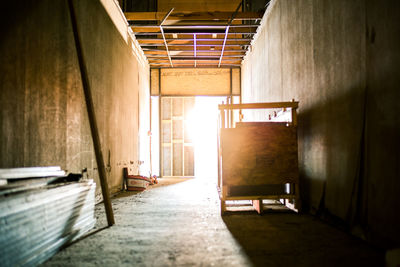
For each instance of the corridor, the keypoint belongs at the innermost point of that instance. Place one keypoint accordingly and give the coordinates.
(177, 223)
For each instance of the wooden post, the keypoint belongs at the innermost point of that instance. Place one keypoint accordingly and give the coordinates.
(92, 118)
(224, 193)
(258, 205)
(222, 118)
(294, 115)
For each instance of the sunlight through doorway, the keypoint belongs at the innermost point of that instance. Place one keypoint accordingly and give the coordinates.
(202, 123)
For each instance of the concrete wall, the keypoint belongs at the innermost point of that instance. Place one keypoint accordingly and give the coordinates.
(340, 59)
(43, 114)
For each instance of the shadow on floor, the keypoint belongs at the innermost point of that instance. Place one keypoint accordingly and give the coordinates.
(289, 239)
(161, 182)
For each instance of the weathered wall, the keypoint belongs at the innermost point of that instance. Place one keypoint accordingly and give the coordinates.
(340, 59)
(43, 114)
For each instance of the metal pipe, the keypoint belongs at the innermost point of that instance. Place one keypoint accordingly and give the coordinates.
(198, 56)
(174, 27)
(226, 33)
(190, 33)
(198, 39)
(191, 64)
(200, 45)
(163, 35)
(195, 48)
(177, 50)
(195, 58)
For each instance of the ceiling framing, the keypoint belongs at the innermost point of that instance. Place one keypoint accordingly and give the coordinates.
(194, 39)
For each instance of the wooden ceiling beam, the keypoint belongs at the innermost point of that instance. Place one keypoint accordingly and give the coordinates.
(214, 16)
(155, 40)
(201, 31)
(190, 48)
(190, 43)
(199, 52)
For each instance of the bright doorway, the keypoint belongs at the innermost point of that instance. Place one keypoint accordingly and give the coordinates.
(189, 136)
(204, 127)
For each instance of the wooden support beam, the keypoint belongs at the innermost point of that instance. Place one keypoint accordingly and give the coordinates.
(214, 16)
(238, 39)
(92, 117)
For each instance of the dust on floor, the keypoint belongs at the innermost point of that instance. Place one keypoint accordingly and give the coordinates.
(178, 223)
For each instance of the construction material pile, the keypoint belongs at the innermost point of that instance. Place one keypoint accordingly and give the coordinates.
(41, 210)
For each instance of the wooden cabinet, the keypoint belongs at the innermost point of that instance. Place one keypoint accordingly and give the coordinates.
(258, 160)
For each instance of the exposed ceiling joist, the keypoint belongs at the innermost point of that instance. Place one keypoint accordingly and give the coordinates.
(188, 16)
(196, 39)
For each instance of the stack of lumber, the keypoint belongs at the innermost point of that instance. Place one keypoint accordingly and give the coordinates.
(40, 215)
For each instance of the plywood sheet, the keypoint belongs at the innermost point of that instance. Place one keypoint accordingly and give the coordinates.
(178, 159)
(259, 155)
(189, 103)
(189, 160)
(177, 107)
(166, 131)
(177, 129)
(155, 85)
(236, 81)
(166, 161)
(186, 82)
(188, 138)
(166, 108)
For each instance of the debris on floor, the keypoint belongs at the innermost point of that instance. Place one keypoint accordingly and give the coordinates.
(154, 180)
(136, 182)
(41, 210)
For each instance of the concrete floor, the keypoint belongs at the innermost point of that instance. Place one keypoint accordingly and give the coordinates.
(178, 224)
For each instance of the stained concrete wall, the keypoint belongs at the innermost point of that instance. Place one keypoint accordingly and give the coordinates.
(43, 114)
(340, 59)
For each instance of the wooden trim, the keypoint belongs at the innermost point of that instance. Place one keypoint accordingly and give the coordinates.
(259, 105)
(283, 196)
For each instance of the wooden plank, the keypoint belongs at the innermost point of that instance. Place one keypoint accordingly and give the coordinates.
(177, 129)
(177, 105)
(36, 223)
(189, 160)
(92, 118)
(166, 108)
(166, 161)
(293, 104)
(258, 205)
(288, 196)
(177, 162)
(195, 81)
(154, 82)
(199, 41)
(181, 16)
(166, 132)
(235, 80)
(31, 172)
(192, 29)
(259, 155)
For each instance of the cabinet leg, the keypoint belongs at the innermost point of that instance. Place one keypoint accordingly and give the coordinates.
(223, 207)
(297, 202)
(258, 205)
